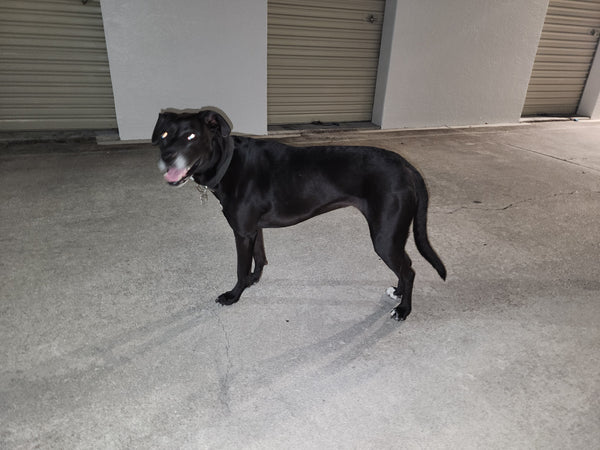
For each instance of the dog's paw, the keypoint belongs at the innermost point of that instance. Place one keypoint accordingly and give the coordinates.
(228, 298)
(391, 292)
(399, 313)
(253, 278)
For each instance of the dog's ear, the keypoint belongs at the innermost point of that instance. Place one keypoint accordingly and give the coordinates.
(159, 128)
(216, 122)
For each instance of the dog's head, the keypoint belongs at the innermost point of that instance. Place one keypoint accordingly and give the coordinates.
(188, 142)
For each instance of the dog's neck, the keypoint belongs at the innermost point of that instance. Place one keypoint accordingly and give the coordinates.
(221, 166)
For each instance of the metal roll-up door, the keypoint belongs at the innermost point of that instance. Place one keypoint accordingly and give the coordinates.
(54, 73)
(322, 59)
(564, 57)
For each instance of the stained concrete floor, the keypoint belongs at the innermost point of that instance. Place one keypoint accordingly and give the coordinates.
(110, 338)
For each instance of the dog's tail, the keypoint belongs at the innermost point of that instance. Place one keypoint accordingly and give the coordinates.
(420, 228)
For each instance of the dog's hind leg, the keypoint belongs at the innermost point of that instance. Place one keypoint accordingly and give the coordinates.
(400, 264)
(260, 258)
(403, 291)
(389, 233)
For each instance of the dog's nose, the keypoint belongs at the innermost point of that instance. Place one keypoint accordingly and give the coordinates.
(169, 157)
(174, 160)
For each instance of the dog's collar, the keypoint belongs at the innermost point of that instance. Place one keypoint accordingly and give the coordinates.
(223, 165)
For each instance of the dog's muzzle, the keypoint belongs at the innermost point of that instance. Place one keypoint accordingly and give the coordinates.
(178, 173)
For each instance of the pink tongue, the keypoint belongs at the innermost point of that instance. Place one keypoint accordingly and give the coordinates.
(174, 175)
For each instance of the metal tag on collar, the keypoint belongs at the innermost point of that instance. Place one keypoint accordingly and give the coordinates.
(203, 193)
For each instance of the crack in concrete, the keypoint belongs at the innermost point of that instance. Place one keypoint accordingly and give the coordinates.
(547, 155)
(558, 158)
(224, 380)
(516, 203)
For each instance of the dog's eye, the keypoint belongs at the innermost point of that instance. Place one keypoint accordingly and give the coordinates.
(164, 135)
(191, 136)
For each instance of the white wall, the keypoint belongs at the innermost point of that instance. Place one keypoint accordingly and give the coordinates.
(590, 99)
(456, 62)
(187, 54)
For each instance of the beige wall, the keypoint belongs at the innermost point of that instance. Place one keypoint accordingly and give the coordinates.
(590, 99)
(460, 62)
(187, 54)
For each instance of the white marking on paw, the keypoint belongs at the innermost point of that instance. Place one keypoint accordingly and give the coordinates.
(390, 292)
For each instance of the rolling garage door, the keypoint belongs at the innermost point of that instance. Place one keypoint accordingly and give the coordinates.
(322, 59)
(564, 57)
(54, 73)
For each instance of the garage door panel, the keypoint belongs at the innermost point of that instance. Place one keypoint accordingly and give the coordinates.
(289, 41)
(566, 50)
(335, 22)
(317, 7)
(54, 72)
(322, 59)
(575, 6)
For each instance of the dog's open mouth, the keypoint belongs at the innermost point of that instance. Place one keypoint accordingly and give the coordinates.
(177, 176)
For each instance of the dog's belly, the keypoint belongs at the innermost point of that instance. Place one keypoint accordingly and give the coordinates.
(298, 211)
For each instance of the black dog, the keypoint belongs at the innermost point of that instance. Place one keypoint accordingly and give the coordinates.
(263, 184)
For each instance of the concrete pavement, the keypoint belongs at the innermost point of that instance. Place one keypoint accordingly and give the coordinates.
(110, 337)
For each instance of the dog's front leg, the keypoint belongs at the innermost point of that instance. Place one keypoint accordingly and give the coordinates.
(244, 247)
(260, 259)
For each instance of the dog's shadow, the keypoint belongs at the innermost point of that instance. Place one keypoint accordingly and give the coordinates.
(308, 363)
(210, 336)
